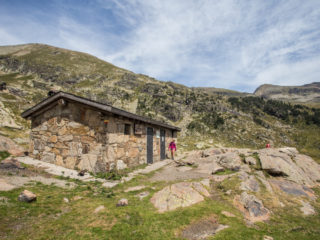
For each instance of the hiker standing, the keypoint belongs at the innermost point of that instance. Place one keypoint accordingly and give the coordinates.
(172, 148)
(268, 145)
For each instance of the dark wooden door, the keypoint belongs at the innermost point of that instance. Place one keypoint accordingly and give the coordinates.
(149, 145)
(162, 144)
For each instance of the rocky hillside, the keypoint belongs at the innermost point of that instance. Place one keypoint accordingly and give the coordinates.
(309, 93)
(208, 116)
(217, 193)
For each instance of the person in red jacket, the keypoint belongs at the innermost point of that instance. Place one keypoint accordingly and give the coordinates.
(172, 148)
(268, 145)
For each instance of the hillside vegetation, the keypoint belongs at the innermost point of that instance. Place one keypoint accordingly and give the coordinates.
(208, 116)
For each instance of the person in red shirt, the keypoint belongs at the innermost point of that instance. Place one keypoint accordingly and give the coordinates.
(172, 148)
(268, 145)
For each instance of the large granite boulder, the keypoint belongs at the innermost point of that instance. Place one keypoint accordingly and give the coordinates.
(178, 195)
(281, 162)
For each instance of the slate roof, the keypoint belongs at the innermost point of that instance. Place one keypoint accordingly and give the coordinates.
(96, 105)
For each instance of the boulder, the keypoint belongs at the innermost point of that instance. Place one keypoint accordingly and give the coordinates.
(135, 188)
(10, 163)
(251, 207)
(230, 160)
(6, 144)
(277, 162)
(178, 195)
(122, 202)
(27, 196)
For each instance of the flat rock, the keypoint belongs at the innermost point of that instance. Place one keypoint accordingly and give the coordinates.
(135, 188)
(142, 195)
(307, 209)
(178, 195)
(202, 229)
(184, 169)
(228, 214)
(251, 207)
(27, 196)
(293, 188)
(99, 209)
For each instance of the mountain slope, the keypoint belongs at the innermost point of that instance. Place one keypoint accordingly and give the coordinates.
(309, 93)
(207, 116)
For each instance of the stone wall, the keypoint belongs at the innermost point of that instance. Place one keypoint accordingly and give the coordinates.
(77, 137)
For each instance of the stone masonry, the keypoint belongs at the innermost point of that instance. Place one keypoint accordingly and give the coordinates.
(75, 136)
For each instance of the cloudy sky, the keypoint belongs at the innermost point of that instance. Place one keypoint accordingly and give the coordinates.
(234, 44)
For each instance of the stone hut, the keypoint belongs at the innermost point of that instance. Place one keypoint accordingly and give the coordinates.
(79, 133)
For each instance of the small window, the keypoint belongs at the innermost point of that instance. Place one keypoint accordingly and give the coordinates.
(127, 129)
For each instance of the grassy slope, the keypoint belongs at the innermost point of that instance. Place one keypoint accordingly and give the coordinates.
(167, 101)
(50, 216)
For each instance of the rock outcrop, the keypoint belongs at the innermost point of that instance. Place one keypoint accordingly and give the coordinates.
(251, 207)
(289, 163)
(177, 195)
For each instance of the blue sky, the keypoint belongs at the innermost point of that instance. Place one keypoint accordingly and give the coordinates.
(233, 44)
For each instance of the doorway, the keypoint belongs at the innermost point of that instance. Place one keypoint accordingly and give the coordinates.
(149, 145)
(162, 144)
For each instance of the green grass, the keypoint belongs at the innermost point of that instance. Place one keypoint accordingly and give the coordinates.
(50, 216)
(117, 174)
(4, 155)
(225, 172)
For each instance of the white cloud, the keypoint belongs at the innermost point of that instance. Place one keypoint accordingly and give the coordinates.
(229, 43)
(221, 43)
